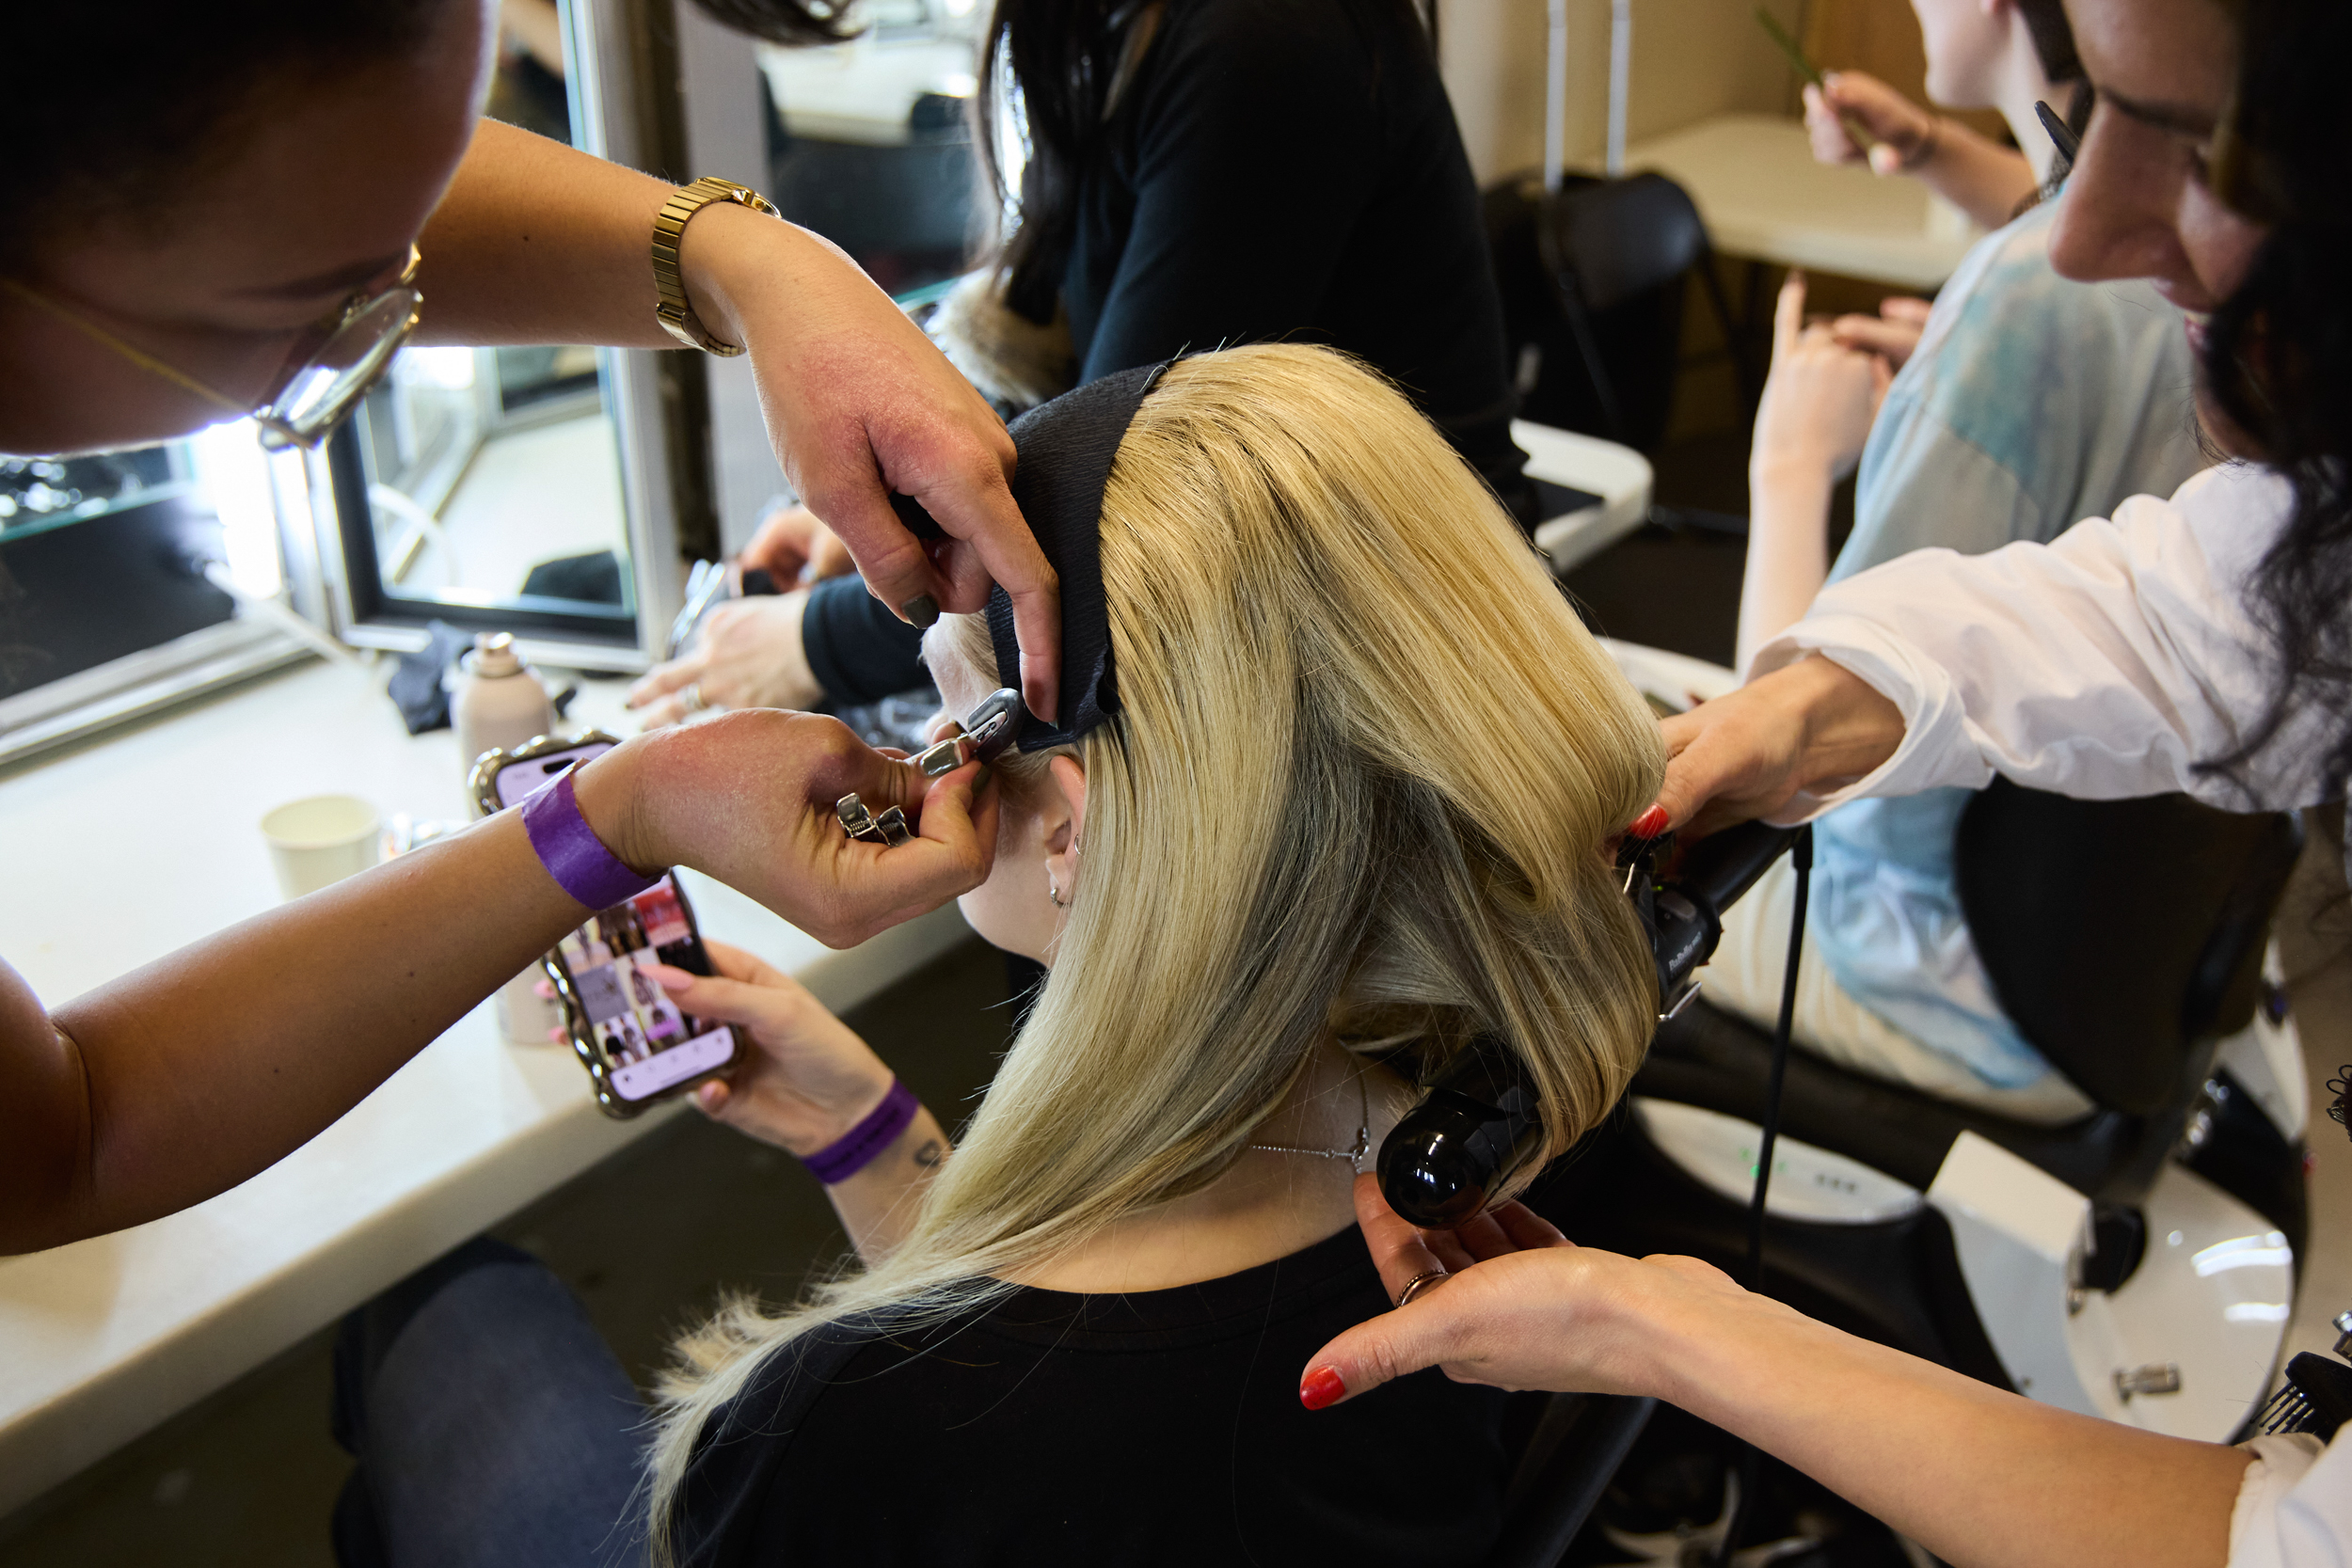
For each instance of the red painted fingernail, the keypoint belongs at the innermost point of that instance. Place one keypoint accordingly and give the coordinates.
(1650, 824)
(1323, 1385)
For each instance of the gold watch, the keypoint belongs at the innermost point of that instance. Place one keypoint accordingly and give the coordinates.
(669, 231)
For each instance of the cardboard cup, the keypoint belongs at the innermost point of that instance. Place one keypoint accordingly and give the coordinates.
(317, 842)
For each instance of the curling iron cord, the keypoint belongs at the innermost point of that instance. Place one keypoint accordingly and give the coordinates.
(1751, 1457)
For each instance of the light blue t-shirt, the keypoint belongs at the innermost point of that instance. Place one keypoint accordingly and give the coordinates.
(2030, 403)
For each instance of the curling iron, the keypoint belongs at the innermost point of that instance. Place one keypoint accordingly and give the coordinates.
(1477, 1123)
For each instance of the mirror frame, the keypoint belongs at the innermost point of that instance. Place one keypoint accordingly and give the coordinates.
(627, 106)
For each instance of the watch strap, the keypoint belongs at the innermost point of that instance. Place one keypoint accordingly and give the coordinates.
(671, 308)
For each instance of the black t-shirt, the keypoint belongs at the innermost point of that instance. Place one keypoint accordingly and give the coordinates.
(1282, 170)
(1155, 1427)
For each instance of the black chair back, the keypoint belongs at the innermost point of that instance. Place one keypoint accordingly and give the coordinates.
(2122, 937)
(1612, 239)
(1608, 372)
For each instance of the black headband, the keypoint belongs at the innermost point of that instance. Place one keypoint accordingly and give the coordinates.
(1064, 450)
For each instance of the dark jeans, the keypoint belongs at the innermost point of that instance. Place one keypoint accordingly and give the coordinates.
(493, 1427)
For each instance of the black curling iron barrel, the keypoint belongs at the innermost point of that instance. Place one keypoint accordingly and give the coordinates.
(1477, 1124)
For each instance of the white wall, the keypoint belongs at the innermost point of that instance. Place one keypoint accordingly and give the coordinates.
(1691, 58)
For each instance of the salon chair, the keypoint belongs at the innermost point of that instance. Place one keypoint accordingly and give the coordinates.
(1591, 277)
(2135, 1265)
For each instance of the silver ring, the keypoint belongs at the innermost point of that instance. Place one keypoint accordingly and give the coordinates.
(693, 697)
(1414, 1286)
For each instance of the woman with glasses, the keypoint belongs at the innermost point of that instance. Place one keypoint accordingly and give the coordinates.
(2196, 644)
(248, 206)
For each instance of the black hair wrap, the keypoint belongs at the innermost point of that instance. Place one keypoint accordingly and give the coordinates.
(1064, 450)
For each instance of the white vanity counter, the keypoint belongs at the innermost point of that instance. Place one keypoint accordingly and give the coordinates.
(117, 853)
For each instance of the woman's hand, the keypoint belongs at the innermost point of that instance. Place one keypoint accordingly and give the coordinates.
(1516, 1305)
(1819, 400)
(748, 798)
(804, 1082)
(1974, 1474)
(1904, 132)
(749, 655)
(1893, 334)
(1983, 179)
(793, 546)
(806, 1079)
(1750, 752)
(861, 404)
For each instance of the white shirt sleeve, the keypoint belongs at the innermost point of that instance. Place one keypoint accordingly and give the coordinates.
(2106, 663)
(2295, 1507)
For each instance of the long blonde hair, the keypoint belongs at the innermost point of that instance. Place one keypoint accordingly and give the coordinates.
(1364, 761)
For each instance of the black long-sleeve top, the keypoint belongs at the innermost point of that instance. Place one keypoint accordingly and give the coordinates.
(1282, 170)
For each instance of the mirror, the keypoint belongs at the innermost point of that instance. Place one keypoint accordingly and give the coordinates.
(870, 143)
(490, 480)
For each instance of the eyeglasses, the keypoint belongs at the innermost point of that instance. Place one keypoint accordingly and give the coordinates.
(357, 344)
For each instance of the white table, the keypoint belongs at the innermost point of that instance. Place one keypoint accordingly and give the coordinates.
(1763, 196)
(122, 851)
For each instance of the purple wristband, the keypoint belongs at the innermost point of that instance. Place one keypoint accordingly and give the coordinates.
(855, 1149)
(573, 853)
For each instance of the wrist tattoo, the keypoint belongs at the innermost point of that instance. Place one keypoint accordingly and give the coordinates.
(931, 1154)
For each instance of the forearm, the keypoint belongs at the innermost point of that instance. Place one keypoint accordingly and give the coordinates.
(1788, 550)
(1845, 726)
(186, 1077)
(182, 1079)
(878, 1204)
(1983, 1479)
(538, 243)
(1982, 178)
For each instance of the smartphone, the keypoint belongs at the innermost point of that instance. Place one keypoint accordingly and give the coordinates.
(636, 1044)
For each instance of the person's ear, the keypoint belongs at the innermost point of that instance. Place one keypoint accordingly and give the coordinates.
(1065, 830)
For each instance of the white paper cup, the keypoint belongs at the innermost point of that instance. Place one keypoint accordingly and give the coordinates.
(317, 842)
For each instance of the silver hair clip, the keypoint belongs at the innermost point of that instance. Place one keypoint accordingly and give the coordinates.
(987, 731)
(889, 828)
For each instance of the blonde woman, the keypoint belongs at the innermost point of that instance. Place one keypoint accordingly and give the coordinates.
(1340, 813)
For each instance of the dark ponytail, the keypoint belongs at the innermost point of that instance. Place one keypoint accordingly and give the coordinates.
(2278, 352)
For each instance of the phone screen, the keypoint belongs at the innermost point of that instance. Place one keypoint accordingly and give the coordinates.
(647, 1043)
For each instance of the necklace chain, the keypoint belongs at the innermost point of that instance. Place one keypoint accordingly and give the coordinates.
(1353, 1154)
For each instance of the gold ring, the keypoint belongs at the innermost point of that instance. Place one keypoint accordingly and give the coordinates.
(1414, 1285)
